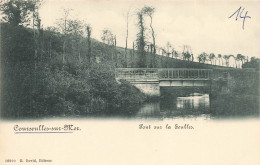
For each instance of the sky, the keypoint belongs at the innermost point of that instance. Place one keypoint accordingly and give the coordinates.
(203, 25)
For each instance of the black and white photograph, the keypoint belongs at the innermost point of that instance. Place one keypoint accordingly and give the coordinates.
(147, 65)
(92, 59)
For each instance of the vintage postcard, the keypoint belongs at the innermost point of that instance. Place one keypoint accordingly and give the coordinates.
(118, 82)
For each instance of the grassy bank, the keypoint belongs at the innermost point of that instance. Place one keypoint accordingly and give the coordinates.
(235, 93)
(35, 82)
(225, 106)
(66, 92)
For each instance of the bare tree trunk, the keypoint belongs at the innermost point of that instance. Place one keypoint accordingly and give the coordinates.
(35, 62)
(65, 39)
(147, 57)
(64, 51)
(66, 14)
(153, 36)
(50, 48)
(126, 39)
(79, 48)
(154, 50)
(133, 54)
(154, 57)
(112, 53)
(89, 44)
(115, 52)
(151, 56)
(162, 60)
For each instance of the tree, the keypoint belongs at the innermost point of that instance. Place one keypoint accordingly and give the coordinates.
(89, 30)
(115, 51)
(174, 54)
(241, 58)
(187, 56)
(133, 55)
(141, 40)
(24, 13)
(235, 59)
(37, 35)
(17, 12)
(211, 58)
(75, 32)
(149, 11)
(51, 34)
(220, 57)
(167, 51)
(202, 57)
(63, 26)
(226, 58)
(186, 53)
(192, 57)
(108, 38)
(253, 63)
(126, 39)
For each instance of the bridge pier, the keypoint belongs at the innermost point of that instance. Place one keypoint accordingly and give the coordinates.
(148, 88)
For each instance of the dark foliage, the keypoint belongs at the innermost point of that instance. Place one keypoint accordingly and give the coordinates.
(254, 63)
(44, 86)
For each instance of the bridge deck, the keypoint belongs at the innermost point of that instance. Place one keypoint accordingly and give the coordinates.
(160, 74)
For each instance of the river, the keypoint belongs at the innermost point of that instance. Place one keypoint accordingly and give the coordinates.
(192, 105)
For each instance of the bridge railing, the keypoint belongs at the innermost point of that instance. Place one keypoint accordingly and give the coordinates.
(136, 73)
(181, 73)
(162, 73)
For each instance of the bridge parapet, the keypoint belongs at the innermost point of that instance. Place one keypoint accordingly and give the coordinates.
(184, 74)
(162, 74)
(137, 73)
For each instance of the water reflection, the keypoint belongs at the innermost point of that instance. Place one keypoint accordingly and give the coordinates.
(193, 101)
(149, 110)
(192, 105)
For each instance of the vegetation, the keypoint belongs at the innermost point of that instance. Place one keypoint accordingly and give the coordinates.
(239, 97)
(149, 11)
(253, 63)
(54, 72)
(141, 43)
(62, 70)
(53, 88)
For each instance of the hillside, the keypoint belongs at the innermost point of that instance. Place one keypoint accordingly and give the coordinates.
(36, 81)
(161, 61)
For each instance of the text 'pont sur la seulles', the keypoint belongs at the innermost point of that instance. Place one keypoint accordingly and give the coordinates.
(166, 126)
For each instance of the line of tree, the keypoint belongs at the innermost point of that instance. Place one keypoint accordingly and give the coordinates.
(73, 31)
(55, 71)
(214, 60)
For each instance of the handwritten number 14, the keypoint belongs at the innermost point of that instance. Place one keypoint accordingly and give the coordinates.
(239, 15)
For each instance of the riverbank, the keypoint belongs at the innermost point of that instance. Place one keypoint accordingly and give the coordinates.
(235, 106)
(65, 91)
(235, 93)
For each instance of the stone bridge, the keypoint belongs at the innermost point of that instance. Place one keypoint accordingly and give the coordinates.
(149, 80)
